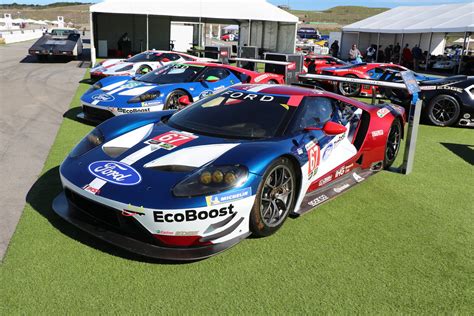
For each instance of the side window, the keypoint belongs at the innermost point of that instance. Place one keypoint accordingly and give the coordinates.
(187, 58)
(315, 112)
(220, 73)
(172, 57)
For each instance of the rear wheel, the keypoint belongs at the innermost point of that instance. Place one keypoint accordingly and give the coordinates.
(443, 110)
(393, 143)
(349, 89)
(275, 198)
(172, 103)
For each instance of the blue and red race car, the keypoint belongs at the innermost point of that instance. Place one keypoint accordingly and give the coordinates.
(162, 88)
(189, 184)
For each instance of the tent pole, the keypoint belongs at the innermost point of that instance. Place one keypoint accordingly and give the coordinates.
(147, 33)
(250, 32)
(339, 53)
(93, 55)
(462, 52)
(377, 51)
(358, 40)
(419, 40)
(429, 51)
(401, 49)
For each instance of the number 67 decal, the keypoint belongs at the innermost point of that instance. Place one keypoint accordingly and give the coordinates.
(171, 140)
(312, 148)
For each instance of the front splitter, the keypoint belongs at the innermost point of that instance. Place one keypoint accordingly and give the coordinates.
(69, 213)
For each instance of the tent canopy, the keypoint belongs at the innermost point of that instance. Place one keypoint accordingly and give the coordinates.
(212, 9)
(446, 18)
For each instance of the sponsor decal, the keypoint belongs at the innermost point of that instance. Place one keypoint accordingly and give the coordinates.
(377, 133)
(228, 197)
(357, 177)
(261, 77)
(341, 188)
(115, 172)
(300, 151)
(320, 199)
(171, 140)
(343, 170)
(382, 112)
(178, 233)
(459, 90)
(292, 66)
(249, 96)
(151, 103)
(132, 110)
(205, 94)
(325, 180)
(164, 232)
(192, 215)
(328, 151)
(339, 139)
(91, 189)
(103, 97)
(312, 149)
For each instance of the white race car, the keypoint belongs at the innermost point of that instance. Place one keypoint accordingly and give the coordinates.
(139, 64)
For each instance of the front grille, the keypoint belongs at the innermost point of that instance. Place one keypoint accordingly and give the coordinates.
(96, 113)
(109, 218)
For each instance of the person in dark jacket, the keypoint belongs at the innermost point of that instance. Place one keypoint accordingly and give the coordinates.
(335, 48)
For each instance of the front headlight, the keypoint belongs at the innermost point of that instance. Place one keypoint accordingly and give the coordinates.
(128, 67)
(91, 141)
(95, 86)
(212, 179)
(148, 96)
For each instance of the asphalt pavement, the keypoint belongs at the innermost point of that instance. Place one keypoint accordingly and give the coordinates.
(33, 99)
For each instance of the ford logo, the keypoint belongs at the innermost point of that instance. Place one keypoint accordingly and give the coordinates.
(328, 151)
(103, 97)
(115, 172)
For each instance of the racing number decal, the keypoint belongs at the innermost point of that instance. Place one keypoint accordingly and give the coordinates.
(171, 140)
(313, 151)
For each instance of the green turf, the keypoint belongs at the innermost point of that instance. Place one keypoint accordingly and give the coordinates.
(394, 244)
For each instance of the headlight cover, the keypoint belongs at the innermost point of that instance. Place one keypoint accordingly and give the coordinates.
(148, 96)
(212, 179)
(91, 141)
(128, 67)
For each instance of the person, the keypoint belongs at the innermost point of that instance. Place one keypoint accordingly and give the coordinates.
(381, 55)
(354, 53)
(407, 57)
(370, 53)
(124, 44)
(396, 49)
(335, 48)
(388, 53)
(417, 57)
(312, 66)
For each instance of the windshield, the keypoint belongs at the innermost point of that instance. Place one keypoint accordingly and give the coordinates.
(236, 114)
(60, 32)
(176, 73)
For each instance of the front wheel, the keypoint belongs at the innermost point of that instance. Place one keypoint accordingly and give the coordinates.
(275, 198)
(443, 110)
(393, 143)
(172, 103)
(349, 89)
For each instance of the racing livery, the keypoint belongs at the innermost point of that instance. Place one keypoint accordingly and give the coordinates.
(163, 88)
(447, 101)
(189, 184)
(138, 64)
(313, 63)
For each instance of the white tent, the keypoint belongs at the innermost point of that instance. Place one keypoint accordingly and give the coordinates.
(425, 26)
(148, 22)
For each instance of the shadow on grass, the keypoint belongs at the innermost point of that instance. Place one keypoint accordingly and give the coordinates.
(465, 152)
(88, 81)
(72, 115)
(41, 196)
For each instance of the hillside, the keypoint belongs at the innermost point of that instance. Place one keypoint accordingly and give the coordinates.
(77, 14)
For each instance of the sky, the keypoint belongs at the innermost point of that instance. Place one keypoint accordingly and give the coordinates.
(299, 4)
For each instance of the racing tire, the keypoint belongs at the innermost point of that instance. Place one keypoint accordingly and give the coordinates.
(443, 110)
(275, 198)
(172, 102)
(143, 70)
(349, 89)
(392, 146)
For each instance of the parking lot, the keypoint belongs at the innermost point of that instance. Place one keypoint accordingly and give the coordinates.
(34, 98)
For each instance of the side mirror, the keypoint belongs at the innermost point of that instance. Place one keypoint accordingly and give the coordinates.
(244, 78)
(212, 79)
(330, 128)
(184, 100)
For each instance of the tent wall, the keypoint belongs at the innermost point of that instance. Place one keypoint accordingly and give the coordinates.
(286, 38)
(347, 39)
(159, 32)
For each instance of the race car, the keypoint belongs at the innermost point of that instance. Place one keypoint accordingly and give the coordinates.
(362, 71)
(447, 101)
(229, 37)
(189, 184)
(313, 63)
(139, 64)
(64, 42)
(162, 88)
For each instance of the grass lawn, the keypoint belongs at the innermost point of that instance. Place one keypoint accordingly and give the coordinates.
(394, 244)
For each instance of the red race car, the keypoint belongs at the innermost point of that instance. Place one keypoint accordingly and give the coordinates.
(312, 63)
(362, 71)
